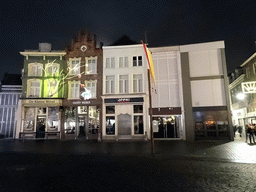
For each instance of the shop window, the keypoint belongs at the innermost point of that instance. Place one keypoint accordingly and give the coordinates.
(29, 120)
(138, 124)
(53, 119)
(82, 109)
(94, 121)
(70, 120)
(210, 125)
(41, 111)
(137, 108)
(199, 126)
(110, 125)
(110, 109)
(222, 125)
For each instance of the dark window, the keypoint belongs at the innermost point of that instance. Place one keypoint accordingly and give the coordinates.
(140, 60)
(138, 109)
(134, 61)
(110, 109)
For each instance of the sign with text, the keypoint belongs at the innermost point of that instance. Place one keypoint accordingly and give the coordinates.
(124, 100)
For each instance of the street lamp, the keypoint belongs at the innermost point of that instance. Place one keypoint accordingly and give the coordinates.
(240, 96)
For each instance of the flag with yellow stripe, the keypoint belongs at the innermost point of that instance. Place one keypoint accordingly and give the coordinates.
(150, 62)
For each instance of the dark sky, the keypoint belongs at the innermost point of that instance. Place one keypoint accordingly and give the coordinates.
(24, 24)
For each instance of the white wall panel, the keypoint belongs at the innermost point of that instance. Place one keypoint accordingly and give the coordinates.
(205, 63)
(208, 93)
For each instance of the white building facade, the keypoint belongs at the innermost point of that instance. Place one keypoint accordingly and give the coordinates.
(125, 93)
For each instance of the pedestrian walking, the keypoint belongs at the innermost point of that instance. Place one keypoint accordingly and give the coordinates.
(249, 133)
(240, 130)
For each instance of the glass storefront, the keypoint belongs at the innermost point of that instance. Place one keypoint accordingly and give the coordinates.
(166, 127)
(29, 119)
(81, 121)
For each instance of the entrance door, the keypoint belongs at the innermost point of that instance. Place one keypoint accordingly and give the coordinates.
(124, 124)
(40, 127)
(82, 132)
(166, 127)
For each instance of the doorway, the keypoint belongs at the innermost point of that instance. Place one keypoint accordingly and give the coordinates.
(82, 131)
(40, 127)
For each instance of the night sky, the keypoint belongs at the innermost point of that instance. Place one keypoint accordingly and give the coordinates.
(24, 24)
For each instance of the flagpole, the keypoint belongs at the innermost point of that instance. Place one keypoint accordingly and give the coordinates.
(150, 114)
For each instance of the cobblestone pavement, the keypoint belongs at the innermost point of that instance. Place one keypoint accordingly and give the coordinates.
(105, 172)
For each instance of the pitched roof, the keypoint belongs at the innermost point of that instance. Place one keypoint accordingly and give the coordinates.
(124, 40)
(11, 79)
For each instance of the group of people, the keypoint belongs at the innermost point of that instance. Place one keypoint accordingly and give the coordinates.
(250, 132)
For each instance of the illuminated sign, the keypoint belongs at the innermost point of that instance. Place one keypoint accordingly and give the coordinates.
(124, 100)
(86, 94)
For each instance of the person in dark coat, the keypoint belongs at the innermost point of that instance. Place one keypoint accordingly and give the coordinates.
(239, 128)
(249, 132)
(234, 129)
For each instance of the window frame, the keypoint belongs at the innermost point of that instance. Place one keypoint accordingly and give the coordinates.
(86, 86)
(138, 90)
(112, 62)
(29, 82)
(70, 66)
(125, 62)
(69, 89)
(87, 65)
(51, 66)
(30, 69)
(137, 61)
(110, 85)
(123, 82)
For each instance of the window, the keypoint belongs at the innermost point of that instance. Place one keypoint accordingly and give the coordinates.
(137, 83)
(137, 108)
(137, 61)
(123, 84)
(35, 69)
(91, 87)
(52, 69)
(254, 68)
(74, 66)
(33, 88)
(110, 109)
(123, 62)
(110, 62)
(74, 90)
(51, 88)
(247, 72)
(91, 65)
(110, 84)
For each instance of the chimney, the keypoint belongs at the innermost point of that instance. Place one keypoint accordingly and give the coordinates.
(45, 47)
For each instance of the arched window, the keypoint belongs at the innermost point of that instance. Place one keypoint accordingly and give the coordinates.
(35, 69)
(52, 69)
